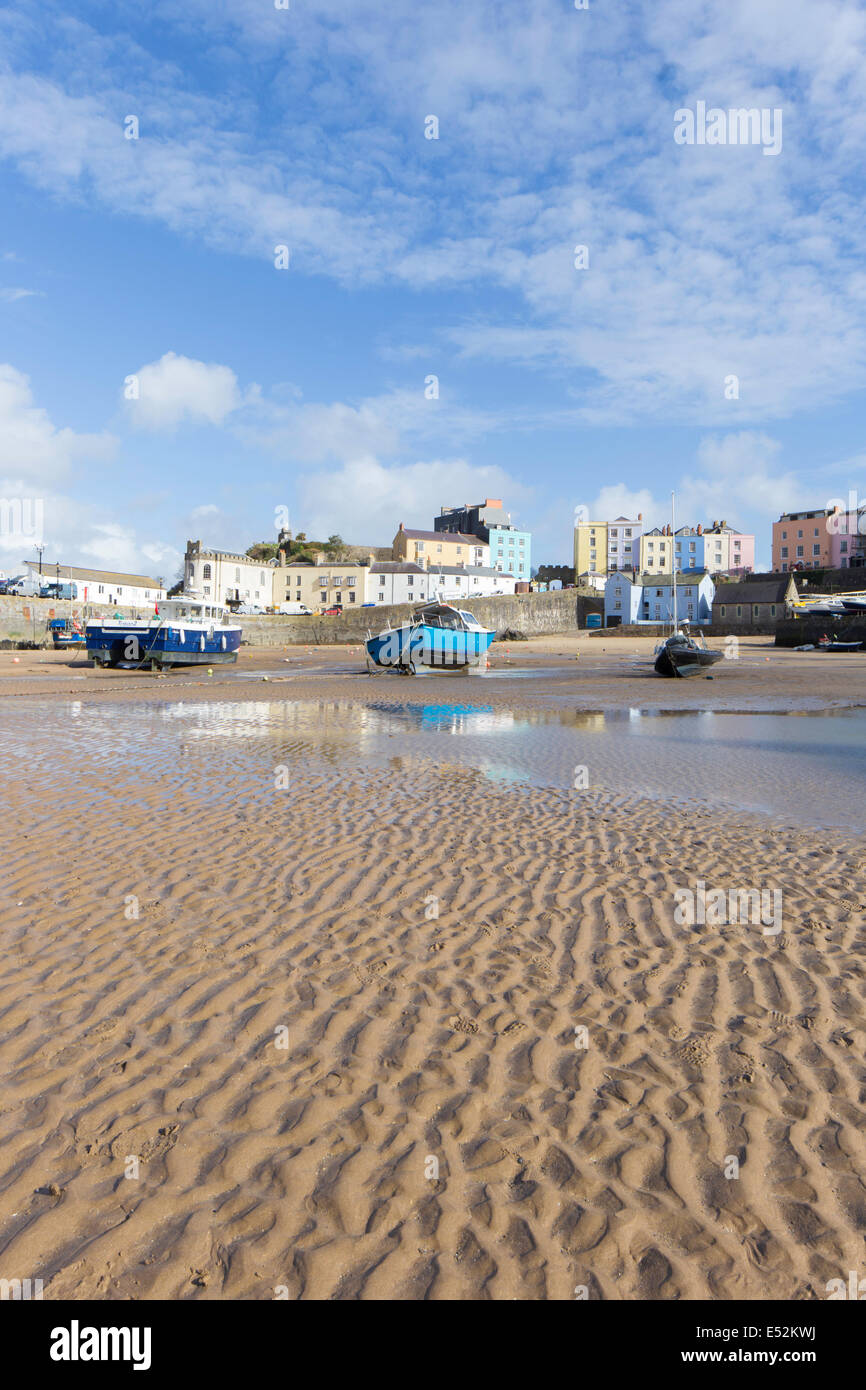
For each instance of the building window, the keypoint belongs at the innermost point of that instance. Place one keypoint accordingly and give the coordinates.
(351, 598)
(772, 610)
(723, 609)
(205, 574)
(739, 611)
(381, 579)
(816, 550)
(206, 589)
(784, 552)
(350, 580)
(799, 551)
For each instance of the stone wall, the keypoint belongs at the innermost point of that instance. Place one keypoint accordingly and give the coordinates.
(26, 619)
(795, 632)
(531, 614)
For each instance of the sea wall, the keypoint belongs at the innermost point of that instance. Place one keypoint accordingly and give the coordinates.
(26, 619)
(532, 614)
(796, 632)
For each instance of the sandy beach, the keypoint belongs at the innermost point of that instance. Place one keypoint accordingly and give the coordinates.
(301, 1000)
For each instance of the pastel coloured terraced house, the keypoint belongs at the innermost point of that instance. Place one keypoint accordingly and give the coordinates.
(802, 540)
(431, 548)
(649, 599)
(590, 547)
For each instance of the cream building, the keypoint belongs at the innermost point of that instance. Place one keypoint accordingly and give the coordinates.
(656, 551)
(431, 548)
(590, 547)
(321, 584)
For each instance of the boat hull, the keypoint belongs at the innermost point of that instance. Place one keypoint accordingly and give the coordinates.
(684, 661)
(433, 648)
(139, 645)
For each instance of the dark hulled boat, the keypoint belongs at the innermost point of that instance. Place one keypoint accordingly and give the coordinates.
(681, 655)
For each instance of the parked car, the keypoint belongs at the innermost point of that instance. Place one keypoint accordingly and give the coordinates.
(296, 609)
(368, 605)
(249, 608)
(334, 611)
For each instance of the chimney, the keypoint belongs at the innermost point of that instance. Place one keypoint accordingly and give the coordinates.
(401, 526)
(640, 516)
(282, 556)
(371, 558)
(700, 530)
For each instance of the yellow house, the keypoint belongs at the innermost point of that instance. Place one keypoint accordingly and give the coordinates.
(322, 584)
(431, 548)
(657, 551)
(590, 548)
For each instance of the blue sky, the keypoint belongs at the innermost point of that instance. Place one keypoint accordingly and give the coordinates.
(261, 388)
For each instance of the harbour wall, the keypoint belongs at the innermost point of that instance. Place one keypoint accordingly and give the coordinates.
(532, 614)
(26, 619)
(796, 632)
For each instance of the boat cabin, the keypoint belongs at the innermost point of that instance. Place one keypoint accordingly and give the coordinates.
(445, 616)
(191, 610)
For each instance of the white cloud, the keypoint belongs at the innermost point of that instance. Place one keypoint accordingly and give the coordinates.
(33, 451)
(365, 501)
(177, 390)
(11, 296)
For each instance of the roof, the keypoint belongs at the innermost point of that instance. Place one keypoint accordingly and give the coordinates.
(660, 581)
(480, 571)
(441, 535)
(762, 591)
(51, 568)
(396, 567)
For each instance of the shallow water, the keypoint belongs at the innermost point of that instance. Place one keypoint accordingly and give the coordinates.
(805, 769)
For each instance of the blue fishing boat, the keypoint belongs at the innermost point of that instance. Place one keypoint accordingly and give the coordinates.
(66, 632)
(438, 637)
(183, 631)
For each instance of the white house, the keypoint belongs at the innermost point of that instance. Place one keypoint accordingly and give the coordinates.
(623, 542)
(98, 586)
(649, 599)
(227, 577)
(397, 581)
(471, 581)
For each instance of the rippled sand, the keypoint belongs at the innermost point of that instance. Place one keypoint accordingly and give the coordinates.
(333, 990)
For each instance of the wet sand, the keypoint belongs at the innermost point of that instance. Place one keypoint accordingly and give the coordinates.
(278, 1019)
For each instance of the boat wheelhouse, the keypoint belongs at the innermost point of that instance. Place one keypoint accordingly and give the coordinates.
(184, 631)
(438, 637)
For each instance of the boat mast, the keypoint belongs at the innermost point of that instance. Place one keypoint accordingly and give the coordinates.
(673, 562)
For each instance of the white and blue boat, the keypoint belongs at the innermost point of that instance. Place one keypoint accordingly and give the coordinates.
(438, 637)
(184, 631)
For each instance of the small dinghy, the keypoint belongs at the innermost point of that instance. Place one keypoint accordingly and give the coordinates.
(825, 645)
(681, 655)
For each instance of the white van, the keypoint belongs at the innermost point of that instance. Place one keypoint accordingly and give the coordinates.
(297, 609)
